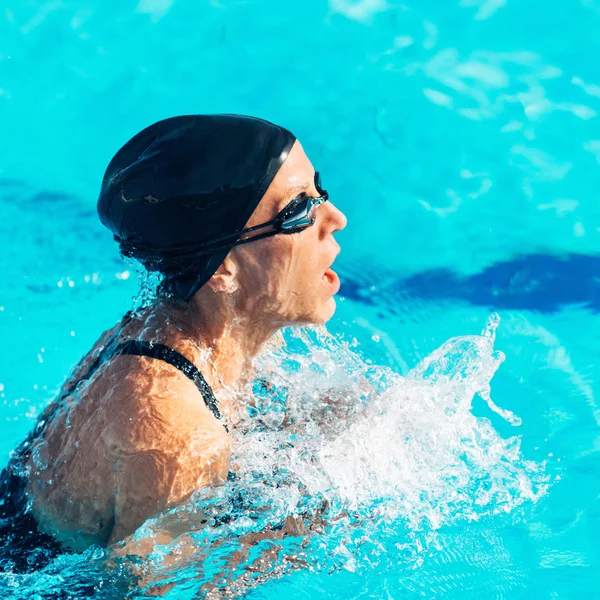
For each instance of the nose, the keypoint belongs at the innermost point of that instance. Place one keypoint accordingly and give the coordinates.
(337, 218)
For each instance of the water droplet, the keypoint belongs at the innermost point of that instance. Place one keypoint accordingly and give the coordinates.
(40, 456)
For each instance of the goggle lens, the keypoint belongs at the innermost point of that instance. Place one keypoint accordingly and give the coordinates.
(303, 210)
(303, 214)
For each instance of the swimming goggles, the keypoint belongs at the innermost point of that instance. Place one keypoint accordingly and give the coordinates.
(299, 214)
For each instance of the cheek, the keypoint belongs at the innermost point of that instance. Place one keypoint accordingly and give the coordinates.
(303, 283)
(267, 267)
(301, 264)
(282, 276)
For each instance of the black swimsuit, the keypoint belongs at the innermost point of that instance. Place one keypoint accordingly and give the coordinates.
(23, 548)
(160, 352)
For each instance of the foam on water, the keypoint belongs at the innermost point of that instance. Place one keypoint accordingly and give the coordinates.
(334, 455)
(343, 456)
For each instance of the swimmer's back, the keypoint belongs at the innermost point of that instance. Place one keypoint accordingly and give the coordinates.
(135, 439)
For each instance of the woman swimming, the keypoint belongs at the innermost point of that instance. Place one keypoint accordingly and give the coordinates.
(229, 210)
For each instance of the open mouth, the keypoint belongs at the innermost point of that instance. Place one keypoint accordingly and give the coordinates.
(332, 281)
(329, 276)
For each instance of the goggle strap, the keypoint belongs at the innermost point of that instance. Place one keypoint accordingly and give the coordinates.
(231, 239)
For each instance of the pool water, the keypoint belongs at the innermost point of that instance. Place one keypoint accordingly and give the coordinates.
(462, 140)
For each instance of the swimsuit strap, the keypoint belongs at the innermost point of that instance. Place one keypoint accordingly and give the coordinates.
(152, 350)
(174, 358)
(103, 356)
(134, 348)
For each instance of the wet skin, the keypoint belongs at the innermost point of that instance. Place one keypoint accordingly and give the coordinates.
(137, 438)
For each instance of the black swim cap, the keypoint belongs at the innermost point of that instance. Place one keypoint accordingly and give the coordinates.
(185, 181)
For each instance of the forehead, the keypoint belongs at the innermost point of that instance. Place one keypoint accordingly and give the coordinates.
(295, 175)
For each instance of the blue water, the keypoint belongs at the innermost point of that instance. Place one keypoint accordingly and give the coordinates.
(462, 140)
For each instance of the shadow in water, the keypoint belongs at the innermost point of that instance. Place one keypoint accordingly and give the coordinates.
(536, 282)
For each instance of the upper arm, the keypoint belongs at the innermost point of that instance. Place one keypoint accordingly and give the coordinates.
(153, 480)
(145, 481)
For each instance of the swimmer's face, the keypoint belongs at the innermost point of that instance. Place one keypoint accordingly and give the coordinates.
(287, 278)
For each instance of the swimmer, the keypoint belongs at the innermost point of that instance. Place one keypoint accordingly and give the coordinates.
(230, 211)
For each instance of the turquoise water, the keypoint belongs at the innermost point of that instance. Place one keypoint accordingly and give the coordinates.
(462, 140)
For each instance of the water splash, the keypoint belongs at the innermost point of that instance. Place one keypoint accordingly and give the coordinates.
(341, 464)
(469, 361)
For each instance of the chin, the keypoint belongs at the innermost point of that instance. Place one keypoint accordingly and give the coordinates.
(315, 315)
(325, 312)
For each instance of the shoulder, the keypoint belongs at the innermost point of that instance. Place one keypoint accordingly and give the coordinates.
(152, 399)
(169, 474)
(162, 416)
(168, 466)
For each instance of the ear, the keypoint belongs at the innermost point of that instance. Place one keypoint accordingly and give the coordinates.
(224, 279)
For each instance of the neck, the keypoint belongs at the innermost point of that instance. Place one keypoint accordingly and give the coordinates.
(213, 322)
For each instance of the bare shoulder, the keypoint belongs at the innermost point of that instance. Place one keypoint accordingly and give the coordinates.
(150, 402)
(168, 446)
